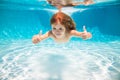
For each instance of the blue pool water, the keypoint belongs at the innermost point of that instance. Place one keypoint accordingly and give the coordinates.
(94, 59)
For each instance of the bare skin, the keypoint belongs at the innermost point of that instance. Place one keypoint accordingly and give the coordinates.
(69, 2)
(64, 3)
(58, 33)
(85, 2)
(63, 28)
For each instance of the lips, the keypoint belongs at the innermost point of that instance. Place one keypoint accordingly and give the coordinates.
(58, 34)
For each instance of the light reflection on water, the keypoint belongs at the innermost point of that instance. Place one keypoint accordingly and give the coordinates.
(21, 60)
(77, 60)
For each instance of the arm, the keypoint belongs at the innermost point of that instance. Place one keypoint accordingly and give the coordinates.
(85, 2)
(84, 34)
(77, 3)
(75, 33)
(37, 38)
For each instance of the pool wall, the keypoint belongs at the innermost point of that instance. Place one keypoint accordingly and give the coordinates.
(25, 23)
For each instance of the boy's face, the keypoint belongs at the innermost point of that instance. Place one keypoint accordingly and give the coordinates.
(58, 30)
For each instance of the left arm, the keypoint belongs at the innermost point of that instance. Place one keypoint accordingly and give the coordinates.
(84, 34)
(76, 33)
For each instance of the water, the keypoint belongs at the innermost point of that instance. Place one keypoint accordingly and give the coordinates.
(94, 59)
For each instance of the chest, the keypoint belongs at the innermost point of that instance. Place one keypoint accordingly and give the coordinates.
(60, 40)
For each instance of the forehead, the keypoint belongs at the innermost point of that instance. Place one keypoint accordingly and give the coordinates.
(57, 25)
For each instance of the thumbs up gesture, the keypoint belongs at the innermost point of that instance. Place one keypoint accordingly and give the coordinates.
(37, 38)
(40, 33)
(85, 34)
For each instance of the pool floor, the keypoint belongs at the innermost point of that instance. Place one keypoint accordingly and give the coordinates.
(77, 60)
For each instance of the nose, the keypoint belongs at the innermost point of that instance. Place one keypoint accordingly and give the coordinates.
(57, 31)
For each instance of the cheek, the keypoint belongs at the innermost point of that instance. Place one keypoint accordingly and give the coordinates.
(64, 31)
(53, 31)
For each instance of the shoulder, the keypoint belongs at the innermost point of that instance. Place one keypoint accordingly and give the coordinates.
(50, 34)
(72, 32)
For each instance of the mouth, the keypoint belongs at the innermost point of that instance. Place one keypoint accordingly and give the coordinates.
(58, 34)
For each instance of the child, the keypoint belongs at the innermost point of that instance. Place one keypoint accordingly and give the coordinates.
(63, 28)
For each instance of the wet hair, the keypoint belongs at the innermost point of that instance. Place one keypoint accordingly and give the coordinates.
(65, 20)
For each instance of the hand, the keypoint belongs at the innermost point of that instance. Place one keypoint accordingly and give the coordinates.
(85, 34)
(37, 38)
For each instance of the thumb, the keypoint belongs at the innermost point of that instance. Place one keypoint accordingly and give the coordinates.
(84, 29)
(40, 33)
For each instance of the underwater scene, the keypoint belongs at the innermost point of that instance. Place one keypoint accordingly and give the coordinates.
(97, 58)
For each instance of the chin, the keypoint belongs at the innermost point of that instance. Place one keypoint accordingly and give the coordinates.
(59, 37)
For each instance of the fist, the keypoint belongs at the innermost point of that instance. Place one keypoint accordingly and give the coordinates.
(86, 35)
(89, 35)
(36, 39)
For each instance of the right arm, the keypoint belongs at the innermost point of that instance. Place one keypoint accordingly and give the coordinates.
(37, 38)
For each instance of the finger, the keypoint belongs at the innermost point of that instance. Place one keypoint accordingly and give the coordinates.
(33, 39)
(84, 28)
(38, 40)
(85, 37)
(40, 33)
